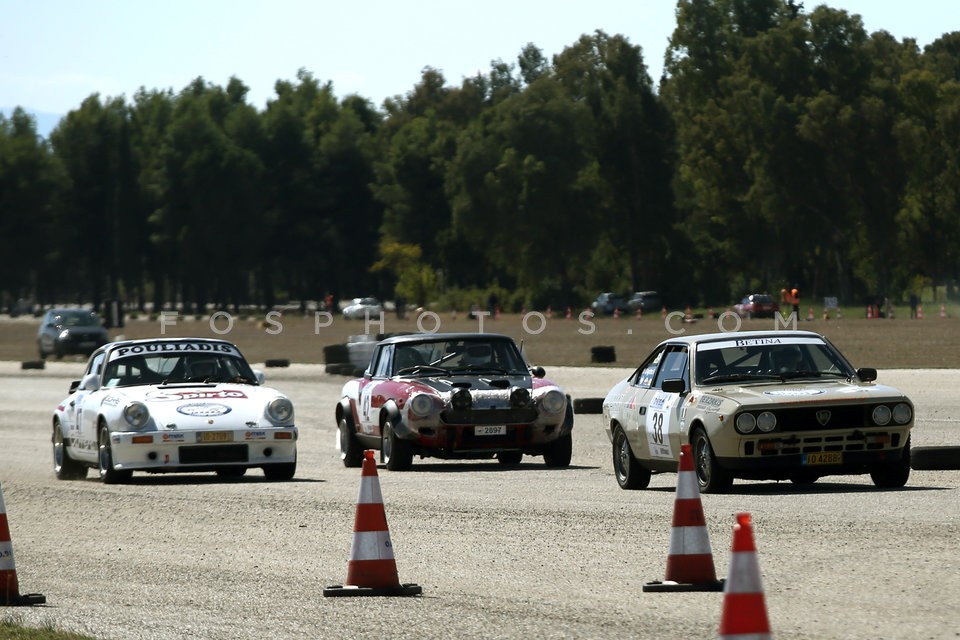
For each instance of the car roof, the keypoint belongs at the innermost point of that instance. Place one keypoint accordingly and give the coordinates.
(696, 339)
(435, 337)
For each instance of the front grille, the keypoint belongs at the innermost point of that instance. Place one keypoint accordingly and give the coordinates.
(214, 453)
(792, 445)
(841, 417)
(490, 416)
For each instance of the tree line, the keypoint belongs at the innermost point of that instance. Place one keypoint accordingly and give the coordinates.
(780, 148)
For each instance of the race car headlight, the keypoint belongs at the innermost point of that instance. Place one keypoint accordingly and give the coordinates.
(902, 413)
(881, 415)
(746, 423)
(519, 397)
(766, 422)
(136, 414)
(280, 411)
(460, 399)
(553, 401)
(421, 404)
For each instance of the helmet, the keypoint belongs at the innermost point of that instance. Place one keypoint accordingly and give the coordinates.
(202, 368)
(476, 354)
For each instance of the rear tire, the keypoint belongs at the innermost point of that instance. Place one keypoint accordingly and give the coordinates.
(397, 453)
(630, 474)
(65, 467)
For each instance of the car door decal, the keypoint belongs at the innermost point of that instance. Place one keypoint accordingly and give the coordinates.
(658, 424)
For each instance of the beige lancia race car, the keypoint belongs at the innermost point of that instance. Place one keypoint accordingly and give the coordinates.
(777, 405)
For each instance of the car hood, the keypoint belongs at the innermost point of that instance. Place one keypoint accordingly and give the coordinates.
(804, 392)
(208, 406)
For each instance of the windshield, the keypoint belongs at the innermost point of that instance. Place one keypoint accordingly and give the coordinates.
(765, 359)
(78, 319)
(460, 355)
(170, 369)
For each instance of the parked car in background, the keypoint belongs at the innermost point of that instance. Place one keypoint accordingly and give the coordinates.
(172, 405)
(778, 405)
(71, 330)
(453, 396)
(607, 303)
(757, 305)
(362, 308)
(645, 301)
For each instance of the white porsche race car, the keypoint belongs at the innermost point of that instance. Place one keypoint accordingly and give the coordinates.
(172, 405)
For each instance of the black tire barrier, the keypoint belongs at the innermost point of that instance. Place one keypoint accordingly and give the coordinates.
(588, 405)
(340, 369)
(603, 354)
(935, 458)
(278, 362)
(32, 364)
(336, 354)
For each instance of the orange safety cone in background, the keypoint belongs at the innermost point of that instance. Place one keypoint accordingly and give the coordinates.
(9, 586)
(919, 312)
(744, 610)
(690, 558)
(810, 315)
(943, 310)
(372, 569)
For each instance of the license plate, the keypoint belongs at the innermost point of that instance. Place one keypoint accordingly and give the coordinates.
(216, 436)
(823, 457)
(490, 430)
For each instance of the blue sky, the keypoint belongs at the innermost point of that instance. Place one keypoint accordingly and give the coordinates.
(55, 53)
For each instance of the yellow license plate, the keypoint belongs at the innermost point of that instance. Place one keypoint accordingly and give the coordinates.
(216, 436)
(823, 457)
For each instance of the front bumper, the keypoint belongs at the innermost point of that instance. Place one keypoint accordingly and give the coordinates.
(202, 450)
(463, 441)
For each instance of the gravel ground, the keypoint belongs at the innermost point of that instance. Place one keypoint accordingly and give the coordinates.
(500, 553)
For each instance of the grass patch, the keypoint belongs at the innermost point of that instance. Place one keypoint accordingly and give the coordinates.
(11, 628)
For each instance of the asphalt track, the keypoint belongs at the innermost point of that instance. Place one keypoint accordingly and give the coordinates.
(500, 553)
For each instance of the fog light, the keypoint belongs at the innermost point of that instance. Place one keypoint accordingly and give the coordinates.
(519, 397)
(461, 399)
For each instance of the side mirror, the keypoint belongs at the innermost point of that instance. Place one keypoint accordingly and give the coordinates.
(90, 382)
(674, 385)
(537, 372)
(73, 385)
(258, 374)
(867, 374)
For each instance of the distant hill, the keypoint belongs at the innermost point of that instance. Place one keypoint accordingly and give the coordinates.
(45, 121)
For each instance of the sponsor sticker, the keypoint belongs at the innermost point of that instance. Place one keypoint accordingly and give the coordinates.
(165, 395)
(203, 409)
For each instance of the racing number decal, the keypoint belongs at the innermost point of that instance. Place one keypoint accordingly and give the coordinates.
(365, 394)
(658, 425)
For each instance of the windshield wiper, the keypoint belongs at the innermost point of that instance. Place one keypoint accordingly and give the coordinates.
(733, 377)
(418, 369)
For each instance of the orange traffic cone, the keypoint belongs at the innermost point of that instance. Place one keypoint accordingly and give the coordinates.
(372, 570)
(744, 611)
(690, 558)
(9, 586)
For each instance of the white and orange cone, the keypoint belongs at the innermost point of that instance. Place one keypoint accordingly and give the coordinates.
(9, 586)
(744, 610)
(690, 557)
(372, 569)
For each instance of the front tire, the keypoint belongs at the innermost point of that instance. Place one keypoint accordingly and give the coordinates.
(711, 477)
(350, 450)
(630, 474)
(397, 453)
(280, 471)
(108, 474)
(65, 467)
(892, 476)
(559, 452)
